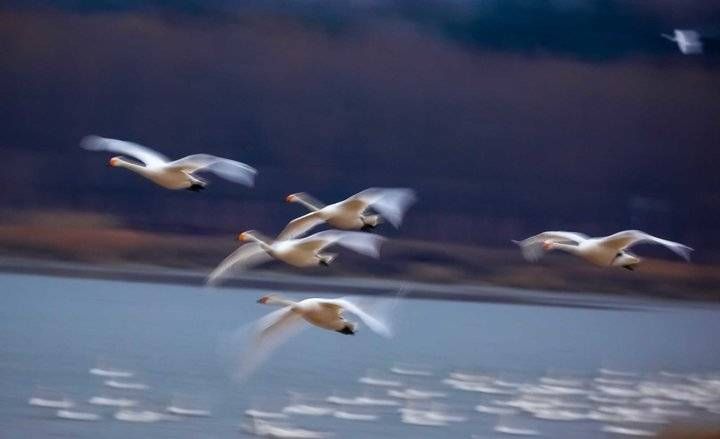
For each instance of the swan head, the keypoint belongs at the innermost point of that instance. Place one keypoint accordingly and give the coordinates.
(114, 162)
(291, 198)
(270, 299)
(263, 299)
(625, 260)
(243, 237)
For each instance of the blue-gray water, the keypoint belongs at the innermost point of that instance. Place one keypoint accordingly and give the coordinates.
(53, 330)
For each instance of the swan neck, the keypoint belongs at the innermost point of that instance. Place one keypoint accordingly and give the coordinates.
(279, 301)
(573, 249)
(122, 163)
(308, 205)
(265, 246)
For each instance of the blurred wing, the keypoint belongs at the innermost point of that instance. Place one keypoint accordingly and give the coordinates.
(532, 248)
(142, 153)
(300, 225)
(373, 323)
(629, 238)
(391, 203)
(246, 256)
(228, 169)
(262, 337)
(365, 243)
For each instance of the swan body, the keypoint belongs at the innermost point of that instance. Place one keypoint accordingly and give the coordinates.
(178, 174)
(687, 40)
(351, 213)
(303, 252)
(323, 313)
(608, 251)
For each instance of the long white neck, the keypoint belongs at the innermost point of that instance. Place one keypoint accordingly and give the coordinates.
(279, 301)
(262, 242)
(310, 206)
(572, 249)
(140, 169)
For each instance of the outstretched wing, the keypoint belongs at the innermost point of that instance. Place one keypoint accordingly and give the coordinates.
(391, 203)
(629, 238)
(532, 247)
(142, 153)
(300, 225)
(246, 256)
(253, 344)
(231, 170)
(373, 323)
(364, 243)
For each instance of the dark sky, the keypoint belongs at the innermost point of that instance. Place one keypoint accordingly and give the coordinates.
(508, 116)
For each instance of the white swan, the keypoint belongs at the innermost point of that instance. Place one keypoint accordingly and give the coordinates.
(251, 345)
(324, 313)
(687, 40)
(604, 251)
(178, 174)
(351, 213)
(303, 252)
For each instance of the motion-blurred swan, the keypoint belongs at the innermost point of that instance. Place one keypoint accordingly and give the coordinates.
(687, 40)
(351, 213)
(324, 313)
(303, 252)
(178, 174)
(605, 251)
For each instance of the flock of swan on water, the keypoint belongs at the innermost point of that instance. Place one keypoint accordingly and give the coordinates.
(618, 402)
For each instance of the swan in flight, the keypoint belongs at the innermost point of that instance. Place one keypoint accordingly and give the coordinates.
(687, 40)
(251, 345)
(303, 252)
(178, 174)
(608, 251)
(324, 313)
(351, 213)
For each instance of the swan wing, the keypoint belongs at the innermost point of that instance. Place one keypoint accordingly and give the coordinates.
(300, 225)
(364, 243)
(532, 247)
(629, 238)
(231, 170)
(373, 323)
(142, 153)
(246, 256)
(252, 345)
(391, 203)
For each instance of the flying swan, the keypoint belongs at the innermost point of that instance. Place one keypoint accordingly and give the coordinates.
(178, 174)
(608, 251)
(351, 213)
(303, 252)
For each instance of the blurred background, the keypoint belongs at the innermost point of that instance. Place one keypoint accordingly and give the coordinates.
(508, 117)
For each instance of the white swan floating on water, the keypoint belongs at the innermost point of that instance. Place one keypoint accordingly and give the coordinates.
(178, 174)
(351, 213)
(608, 251)
(303, 252)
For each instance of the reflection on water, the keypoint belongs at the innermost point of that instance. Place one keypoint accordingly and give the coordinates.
(453, 369)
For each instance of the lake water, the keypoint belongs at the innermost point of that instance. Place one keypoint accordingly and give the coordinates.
(54, 330)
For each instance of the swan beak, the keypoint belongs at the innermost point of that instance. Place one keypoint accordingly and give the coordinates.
(290, 198)
(262, 299)
(242, 237)
(112, 162)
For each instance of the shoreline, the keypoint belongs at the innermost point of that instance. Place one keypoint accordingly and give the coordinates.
(349, 285)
